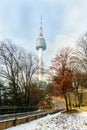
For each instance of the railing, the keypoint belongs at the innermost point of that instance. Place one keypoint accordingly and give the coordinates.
(20, 120)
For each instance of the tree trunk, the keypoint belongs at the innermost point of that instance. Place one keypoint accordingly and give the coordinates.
(66, 101)
(65, 97)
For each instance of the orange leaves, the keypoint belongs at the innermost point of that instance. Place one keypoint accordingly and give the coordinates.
(63, 74)
(58, 90)
(63, 83)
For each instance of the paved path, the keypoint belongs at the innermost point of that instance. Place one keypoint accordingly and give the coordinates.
(59, 103)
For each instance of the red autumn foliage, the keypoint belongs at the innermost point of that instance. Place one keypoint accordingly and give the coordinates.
(63, 84)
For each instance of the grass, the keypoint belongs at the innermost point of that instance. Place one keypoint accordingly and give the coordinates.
(83, 108)
(71, 111)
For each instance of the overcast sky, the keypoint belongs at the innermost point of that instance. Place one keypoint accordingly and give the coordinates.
(63, 22)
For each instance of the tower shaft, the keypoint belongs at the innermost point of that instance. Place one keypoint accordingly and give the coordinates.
(40, 65)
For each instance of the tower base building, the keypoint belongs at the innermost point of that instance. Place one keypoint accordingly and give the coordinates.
(41, 84)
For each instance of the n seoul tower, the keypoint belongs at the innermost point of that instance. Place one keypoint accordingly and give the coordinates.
(40, 46)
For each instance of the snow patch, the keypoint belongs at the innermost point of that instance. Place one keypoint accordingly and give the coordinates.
(59, 121)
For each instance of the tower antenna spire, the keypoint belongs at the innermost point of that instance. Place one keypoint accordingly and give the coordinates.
(41, 29)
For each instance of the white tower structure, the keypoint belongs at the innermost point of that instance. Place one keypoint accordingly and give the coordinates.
(40, 46)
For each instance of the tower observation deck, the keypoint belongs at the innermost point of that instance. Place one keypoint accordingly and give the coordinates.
(40, 46)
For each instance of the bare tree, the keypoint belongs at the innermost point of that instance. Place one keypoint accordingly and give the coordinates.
(29, 65)
(8, 60)
(80, 68)
(82, 51)
(18, 68)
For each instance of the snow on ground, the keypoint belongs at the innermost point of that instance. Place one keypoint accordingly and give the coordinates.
(59, 121)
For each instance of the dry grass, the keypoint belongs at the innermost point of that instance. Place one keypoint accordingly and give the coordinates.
(71, 111)
(83, 108)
